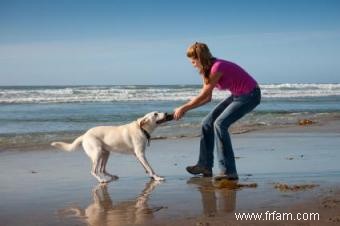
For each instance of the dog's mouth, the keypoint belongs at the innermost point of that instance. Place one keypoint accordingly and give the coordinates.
(166, 118)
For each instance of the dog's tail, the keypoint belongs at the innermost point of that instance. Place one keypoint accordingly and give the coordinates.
(66, 146)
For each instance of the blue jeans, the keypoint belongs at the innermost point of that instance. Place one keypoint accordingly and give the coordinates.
(215, 126)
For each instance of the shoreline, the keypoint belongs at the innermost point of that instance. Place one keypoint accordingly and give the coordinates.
(50, 187)
(325, 125)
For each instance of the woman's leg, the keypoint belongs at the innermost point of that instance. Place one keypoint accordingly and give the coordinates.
(206, 156)
(236, 110)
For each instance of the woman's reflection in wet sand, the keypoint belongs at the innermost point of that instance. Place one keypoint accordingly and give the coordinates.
(214, 200)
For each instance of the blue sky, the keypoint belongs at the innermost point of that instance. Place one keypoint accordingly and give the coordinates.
(73, 42)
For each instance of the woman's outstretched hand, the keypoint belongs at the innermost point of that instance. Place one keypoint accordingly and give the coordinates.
(179, 113)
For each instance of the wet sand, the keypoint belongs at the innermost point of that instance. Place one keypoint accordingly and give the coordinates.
(49, 187)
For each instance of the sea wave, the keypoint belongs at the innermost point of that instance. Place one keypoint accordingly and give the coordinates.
(78, 94)
(296, 90)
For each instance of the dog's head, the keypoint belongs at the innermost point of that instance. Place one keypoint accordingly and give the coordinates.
(153, 119)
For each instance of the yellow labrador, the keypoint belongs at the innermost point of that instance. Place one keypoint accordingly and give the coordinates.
(99, 141)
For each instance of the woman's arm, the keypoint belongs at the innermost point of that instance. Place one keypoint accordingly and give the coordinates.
(202, 98)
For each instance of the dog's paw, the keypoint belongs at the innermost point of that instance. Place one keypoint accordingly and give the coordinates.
(114, 177)
(104, 181)
(158, 178)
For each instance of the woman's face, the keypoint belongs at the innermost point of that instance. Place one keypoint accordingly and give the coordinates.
(195, 63)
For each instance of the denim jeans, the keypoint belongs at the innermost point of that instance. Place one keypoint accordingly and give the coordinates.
(215, 127)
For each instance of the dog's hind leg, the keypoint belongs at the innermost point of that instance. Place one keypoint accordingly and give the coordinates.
(95, 168)
(105, 157)
(94, 150)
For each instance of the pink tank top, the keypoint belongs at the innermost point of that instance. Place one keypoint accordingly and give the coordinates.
(234, 78)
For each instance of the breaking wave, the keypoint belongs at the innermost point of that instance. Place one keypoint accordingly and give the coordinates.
(78, 94)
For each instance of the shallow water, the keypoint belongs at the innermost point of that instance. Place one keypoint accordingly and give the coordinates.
(33, 116)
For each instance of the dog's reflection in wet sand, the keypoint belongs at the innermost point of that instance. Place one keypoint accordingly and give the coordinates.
(102, 211)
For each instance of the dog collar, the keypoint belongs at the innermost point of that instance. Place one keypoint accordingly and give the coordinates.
(147, 135)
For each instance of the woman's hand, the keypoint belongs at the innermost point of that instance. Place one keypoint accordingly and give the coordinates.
(179, 113)
(203, 98)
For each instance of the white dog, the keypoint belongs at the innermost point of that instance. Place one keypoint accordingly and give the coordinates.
(132, 138)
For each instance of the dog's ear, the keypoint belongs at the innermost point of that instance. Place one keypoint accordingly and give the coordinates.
(143, 121)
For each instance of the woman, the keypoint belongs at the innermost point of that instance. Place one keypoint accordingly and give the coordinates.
(245, 96)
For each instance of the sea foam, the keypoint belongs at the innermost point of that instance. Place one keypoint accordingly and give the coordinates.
(76, 94)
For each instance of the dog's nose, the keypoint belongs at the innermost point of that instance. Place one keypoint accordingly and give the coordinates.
(169, 117)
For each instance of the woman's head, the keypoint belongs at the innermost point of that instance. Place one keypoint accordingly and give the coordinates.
(201, 57)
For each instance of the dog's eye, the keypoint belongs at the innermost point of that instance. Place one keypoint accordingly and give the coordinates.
(156, 114)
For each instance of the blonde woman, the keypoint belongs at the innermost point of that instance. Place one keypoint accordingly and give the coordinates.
(245, 96)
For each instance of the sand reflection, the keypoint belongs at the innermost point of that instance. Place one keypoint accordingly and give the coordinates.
(214, 200)
(102, 211)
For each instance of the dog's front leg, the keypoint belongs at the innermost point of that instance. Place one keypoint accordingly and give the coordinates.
(141, 158)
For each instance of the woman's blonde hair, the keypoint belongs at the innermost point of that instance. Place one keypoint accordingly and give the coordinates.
(201, 52)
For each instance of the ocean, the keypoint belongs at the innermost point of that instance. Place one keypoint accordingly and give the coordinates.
(33, 116)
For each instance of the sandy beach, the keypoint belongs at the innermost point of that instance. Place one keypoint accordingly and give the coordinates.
(293, 170)
(265, 70)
